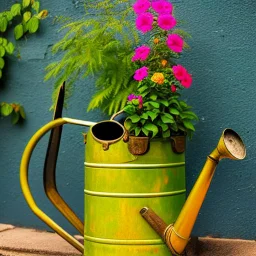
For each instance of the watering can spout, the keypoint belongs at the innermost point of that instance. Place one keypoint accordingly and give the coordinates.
(177, 235)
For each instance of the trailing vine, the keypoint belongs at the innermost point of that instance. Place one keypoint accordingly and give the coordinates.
(24, 18)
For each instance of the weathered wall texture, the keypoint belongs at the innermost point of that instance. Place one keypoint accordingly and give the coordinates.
(223, 62)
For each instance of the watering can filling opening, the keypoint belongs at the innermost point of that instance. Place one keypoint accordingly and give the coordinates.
(108, 131)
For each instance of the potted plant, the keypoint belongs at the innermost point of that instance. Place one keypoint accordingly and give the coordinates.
(156, 109)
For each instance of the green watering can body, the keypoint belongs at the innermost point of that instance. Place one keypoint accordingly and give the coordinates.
(119, 184)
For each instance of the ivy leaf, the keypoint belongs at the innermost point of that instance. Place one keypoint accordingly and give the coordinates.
(4, 42)
(188, 125)
(162, 125)
(154, 104)
(8, 15)
(22, 112)
(144, 115)
(174, 111)
(152, 115)
(166, 134)
(36, 6)
(42, 15)
(167, 118)
(164, 102)
(2, 51)
(25, 3)
(15, 117)
(10, 48)
(145, 131)
(153, 97)
(142, 89)
(3, 24)
(134, 118)
(1, 63)
(33, 25)
(26, 16)
(18, 31)
(15, 9)
(129, 109)
(153, 128)
(137, 131)
(6, 109)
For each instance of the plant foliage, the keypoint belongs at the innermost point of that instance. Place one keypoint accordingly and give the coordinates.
(98, 45)
(24, 18)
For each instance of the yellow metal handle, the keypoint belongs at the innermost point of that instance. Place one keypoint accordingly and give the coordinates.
(24, 177)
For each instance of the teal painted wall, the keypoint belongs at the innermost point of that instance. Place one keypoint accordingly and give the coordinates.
(223, 62)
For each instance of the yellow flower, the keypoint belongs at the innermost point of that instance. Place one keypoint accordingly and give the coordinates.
(156, 41)
(158, 78)
(164, 63)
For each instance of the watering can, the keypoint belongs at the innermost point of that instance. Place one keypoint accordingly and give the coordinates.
(134, 204)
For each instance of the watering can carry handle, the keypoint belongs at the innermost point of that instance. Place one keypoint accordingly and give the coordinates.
(24, 177)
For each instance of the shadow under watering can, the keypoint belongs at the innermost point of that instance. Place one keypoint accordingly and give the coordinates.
(121, 188)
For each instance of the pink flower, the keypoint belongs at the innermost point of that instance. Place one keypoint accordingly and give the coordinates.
(140, 101)
(175, 42)
(179, 72)
(131, 97)
(162, 6)
(144, 22)
(141, 73)
(166, 21)
(141, 53)
(186, 81)
(173, 88)
(141, 6)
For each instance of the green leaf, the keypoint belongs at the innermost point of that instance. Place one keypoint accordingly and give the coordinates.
(166, 134)
(188, 125)
(144, 116)
(36, 6)
(6, 109)
(142, 89)
(153, 128)
(153, 97)
(166, 119)
(26, 16)
(145, 131)
(162, 125)
(25, 3)
(4, 42)
(15, 117)
(1, 63)
(134, 118)
(189, 115)
(1, 73)
(3, 24)
(152, 115)
(137, 131)
(10, 48)
(8, 15)
(22, 112)
(33, 25)
(128, 124)
(18, 31)
(42, 15)
(129, 109)
(15, 9)
(1, 40)
(164, 102)
(2, 51)
(174, 111)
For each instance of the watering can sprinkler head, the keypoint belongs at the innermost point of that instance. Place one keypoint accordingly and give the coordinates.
(177, 235)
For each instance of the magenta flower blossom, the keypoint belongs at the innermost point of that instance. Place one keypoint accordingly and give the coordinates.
(175, 42)
(166, 21)
(179, 72)
(131, 97)
(186, 81)
(141, 73)
(141, 53)
(144, 22)
(162, 6)
(141, 6)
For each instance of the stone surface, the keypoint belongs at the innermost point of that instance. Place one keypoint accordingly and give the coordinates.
(34, 241)
(4, 227)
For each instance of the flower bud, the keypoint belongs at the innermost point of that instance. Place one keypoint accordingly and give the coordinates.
(156, 41)
(164, 62)
(173, 88)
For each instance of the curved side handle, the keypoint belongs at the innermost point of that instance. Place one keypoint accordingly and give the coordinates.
(24, 177)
